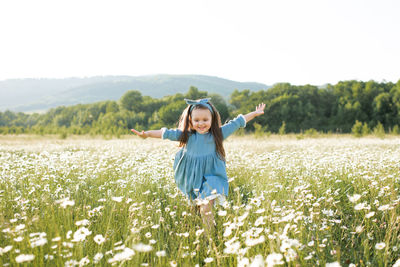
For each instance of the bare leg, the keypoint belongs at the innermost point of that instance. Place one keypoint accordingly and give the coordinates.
(208, 216)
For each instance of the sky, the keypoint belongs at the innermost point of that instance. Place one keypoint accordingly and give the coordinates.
(295, 41)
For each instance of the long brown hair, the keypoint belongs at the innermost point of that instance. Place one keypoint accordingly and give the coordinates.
(185, 126)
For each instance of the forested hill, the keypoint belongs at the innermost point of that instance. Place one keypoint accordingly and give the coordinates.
(342, 107)
(29, 95)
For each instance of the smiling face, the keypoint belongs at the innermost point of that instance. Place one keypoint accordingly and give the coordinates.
(201, 120)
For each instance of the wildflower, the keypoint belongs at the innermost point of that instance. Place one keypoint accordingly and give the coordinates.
(65, 202)
(208, 260)
(354, 198)
(5, 249)
(117, 199)
(20, 227)
(199, 232)
(242, 262)
(274, 259)
(82, 222)
(48, 257)
(161, 253)
(68, 235)
(156, 226)
(24, 258)
(383, 207)
(97, 257)
(329, 212)
(232, 248)
(84, 261)
(99, 239)
(359, 229)
(18, 239)
(228, 231)
(397, 263)
(80, 234)
(259, 221)
(333, 264)
(254, 241)
(173, 263)
(258, 261)
(142, 247)
(370, 214)
(71, 263)
(135, 230)
(243, 217)
(290, 255)
(38, 241)
(184, 234)
(126, 254)
(380, 246)
(222, 213)
(360, 206)
(122, 247)
(259, 211)
(288, 243)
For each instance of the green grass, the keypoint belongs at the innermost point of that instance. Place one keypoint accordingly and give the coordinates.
(287, 196)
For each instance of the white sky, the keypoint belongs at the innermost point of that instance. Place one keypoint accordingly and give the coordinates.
(296, 41)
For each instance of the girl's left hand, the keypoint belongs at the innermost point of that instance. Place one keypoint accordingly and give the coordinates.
(141, 134)
(260, 109)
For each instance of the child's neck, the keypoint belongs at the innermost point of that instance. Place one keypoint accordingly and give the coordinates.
(193, 130)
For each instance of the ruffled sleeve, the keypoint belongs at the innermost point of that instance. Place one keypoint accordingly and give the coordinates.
(230, 127)
(169, 134)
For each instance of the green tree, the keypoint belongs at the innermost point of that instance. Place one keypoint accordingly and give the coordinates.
(220, 104)
(357, 129)
(396, 130)
(112, 106)
(282, 129)
(379, 131)
(382, 108)
(132, 101)
(238, 98)
(169, 115)
(194, 93)
(365, 129)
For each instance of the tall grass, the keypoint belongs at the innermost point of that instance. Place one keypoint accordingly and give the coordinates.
(308, 202)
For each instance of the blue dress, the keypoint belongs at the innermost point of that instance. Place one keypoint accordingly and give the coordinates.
(199, 172)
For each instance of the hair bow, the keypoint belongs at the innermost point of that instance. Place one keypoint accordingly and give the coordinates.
(202, 102)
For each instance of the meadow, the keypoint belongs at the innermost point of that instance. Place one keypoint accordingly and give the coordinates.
(326, 201)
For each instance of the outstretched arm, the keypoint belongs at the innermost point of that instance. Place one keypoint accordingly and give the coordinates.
(259, 111)
(151, 133)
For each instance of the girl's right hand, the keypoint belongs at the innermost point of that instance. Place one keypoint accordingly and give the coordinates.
(141, 134)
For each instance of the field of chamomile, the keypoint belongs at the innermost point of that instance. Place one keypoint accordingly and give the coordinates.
(327, 201)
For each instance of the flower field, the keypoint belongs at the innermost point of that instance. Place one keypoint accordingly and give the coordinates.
(330, 201)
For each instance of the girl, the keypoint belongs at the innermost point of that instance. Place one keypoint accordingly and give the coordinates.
(200, 170)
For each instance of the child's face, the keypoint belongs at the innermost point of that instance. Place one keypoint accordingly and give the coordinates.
(201, 120)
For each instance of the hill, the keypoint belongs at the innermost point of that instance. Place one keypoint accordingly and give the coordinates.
(29, 95)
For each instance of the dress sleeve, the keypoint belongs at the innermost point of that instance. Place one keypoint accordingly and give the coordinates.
(172, 135)
(230, 127)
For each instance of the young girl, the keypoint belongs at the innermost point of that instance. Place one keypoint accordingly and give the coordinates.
(200, 170)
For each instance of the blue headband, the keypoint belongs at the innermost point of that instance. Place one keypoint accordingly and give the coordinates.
(200, 102)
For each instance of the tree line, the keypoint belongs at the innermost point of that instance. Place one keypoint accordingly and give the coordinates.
(331, 108)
